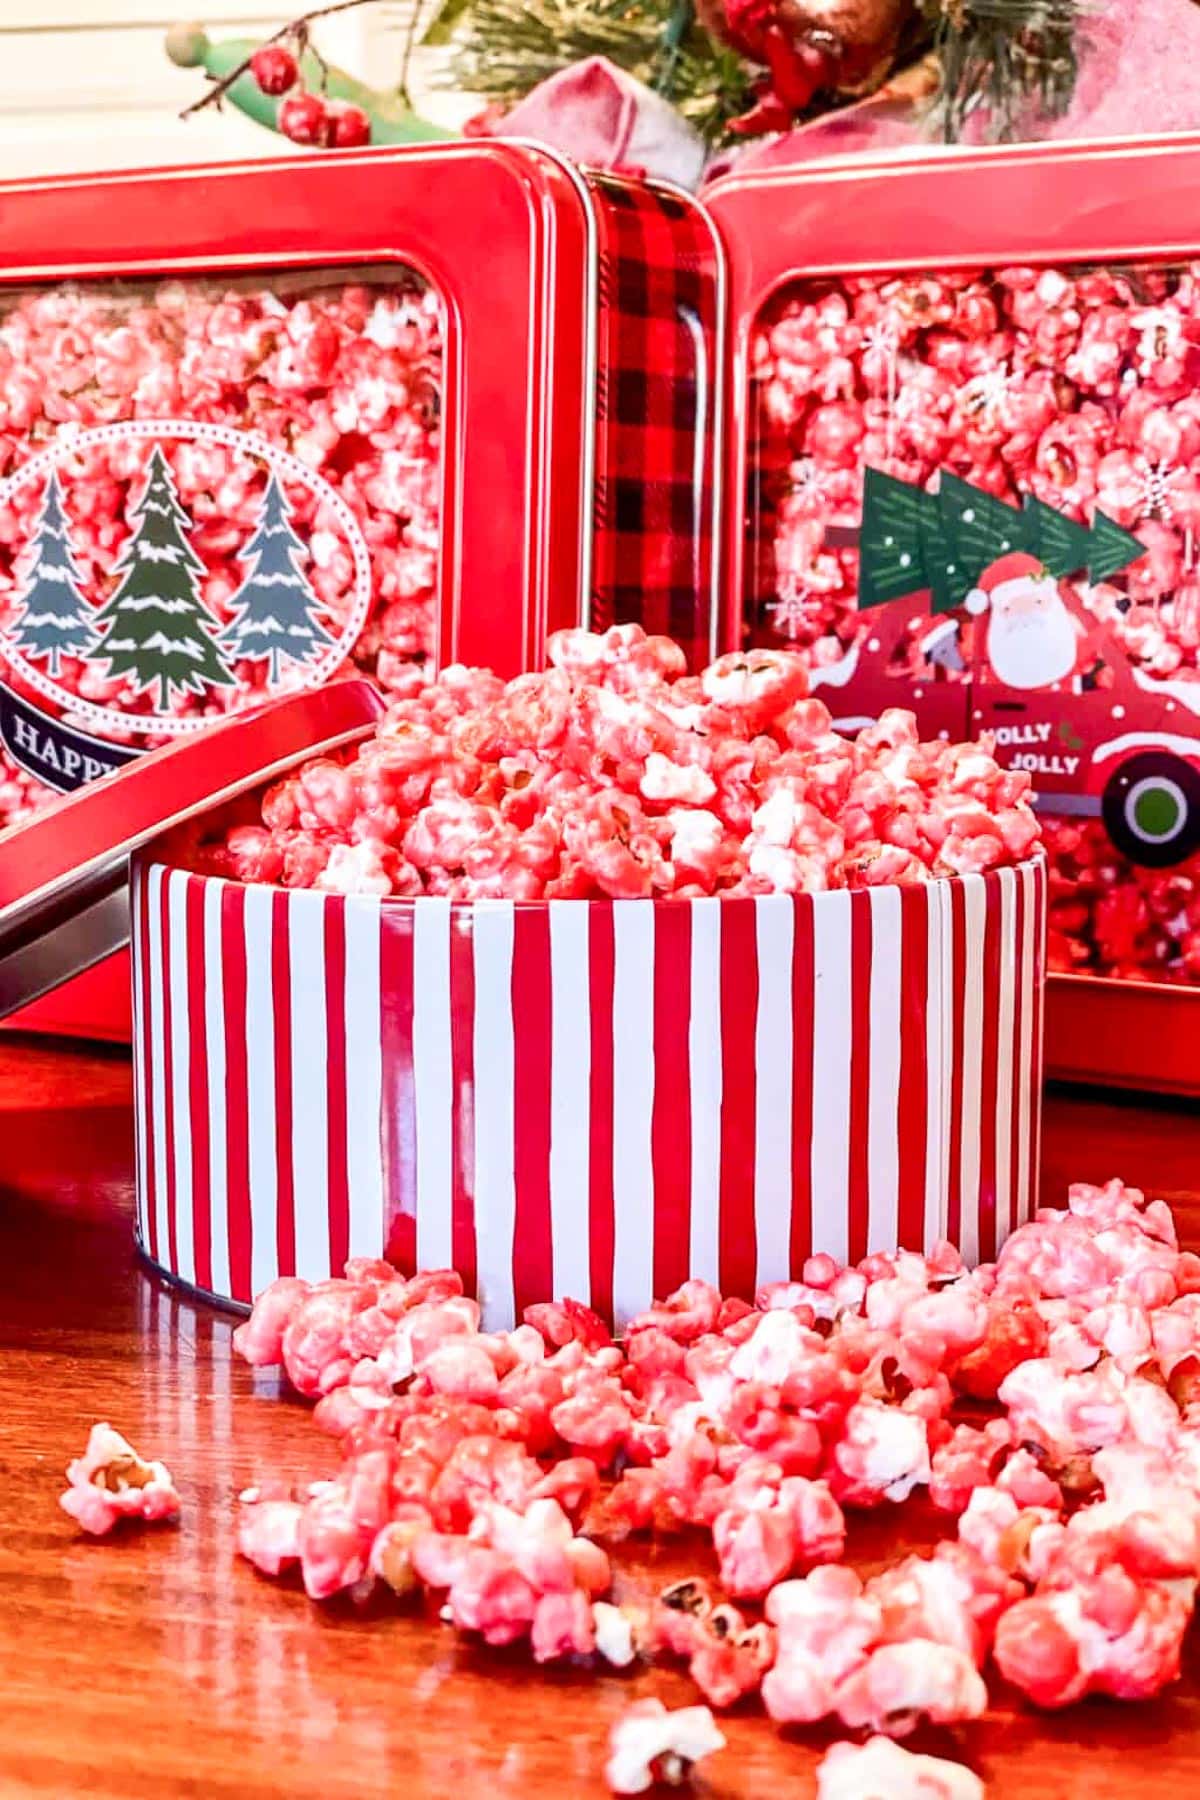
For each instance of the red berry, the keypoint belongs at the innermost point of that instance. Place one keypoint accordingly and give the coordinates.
(349, 126)
(274, 69)
(303, 118)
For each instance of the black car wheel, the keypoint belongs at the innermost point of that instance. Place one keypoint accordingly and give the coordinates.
(1151, 808)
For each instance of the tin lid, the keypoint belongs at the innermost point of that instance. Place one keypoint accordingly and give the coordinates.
(64, 877)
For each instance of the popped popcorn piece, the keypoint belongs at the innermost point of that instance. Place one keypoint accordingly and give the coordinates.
(614, 1634)
(648, 1744)
(110, 1482)
(883, 1455)
(1105, 1634)
(881, 1769)
(900, 1684)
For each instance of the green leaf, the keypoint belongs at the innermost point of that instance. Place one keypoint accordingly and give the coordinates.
(891, 560)
(1112, 548)
(978, 528)
(442, 26)
(1062, 545)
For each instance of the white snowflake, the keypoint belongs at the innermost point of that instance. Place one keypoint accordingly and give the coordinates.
(882, 339)
(804, 480)
(1154, 490)
(790, 614)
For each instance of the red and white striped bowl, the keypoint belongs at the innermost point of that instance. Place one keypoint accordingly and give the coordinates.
(587, 1098)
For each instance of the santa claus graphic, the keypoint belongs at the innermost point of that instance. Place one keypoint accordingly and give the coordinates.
(1033, 639)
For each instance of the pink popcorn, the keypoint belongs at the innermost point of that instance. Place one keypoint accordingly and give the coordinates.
(726, 1657)
(883, 1455)
(768, 1530)
(469, 1460)
(110, 1482)
(881, 1769)
(1071, 1415)
(900, 1684)
(260, 1338)
(613, 774)
(268, 1533)
(968, 1460)
(1105, 1635)
(1021, 1540)
(648, 1744)
(953, 1597)
(826, 1628)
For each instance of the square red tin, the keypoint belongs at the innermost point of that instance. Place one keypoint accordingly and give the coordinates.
(486, 386)
(1007, 341)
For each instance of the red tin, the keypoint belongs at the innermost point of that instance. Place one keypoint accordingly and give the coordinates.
(562, 427)
(64, 878)
(900, 315)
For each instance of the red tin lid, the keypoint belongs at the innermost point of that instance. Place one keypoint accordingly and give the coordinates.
(64, 900)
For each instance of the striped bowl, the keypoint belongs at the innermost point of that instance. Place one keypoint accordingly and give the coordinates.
(587, 1098)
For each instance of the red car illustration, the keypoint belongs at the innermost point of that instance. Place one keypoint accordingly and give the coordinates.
(1013, 651)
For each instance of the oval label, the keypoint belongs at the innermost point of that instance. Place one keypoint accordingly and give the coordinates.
(124, 587)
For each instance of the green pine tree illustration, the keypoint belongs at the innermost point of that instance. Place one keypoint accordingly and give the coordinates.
(978, 528)
(1113, 548)
(1060, 544)
(275, 608)
(55, 618)
(890, 547)
(941, 564)
(156, 629)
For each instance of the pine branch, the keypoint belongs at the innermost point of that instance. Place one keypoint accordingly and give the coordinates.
(504, 48)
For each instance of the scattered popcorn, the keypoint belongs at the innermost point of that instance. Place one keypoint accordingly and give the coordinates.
(883, 1770)
(482, 1473)
(649, 1744)
(110, 1482)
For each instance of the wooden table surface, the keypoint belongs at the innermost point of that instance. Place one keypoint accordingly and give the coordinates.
(161, 1665)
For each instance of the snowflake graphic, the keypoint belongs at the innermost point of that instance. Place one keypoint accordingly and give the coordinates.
(1154, 490)
(790, 614)
(882, 339)
(804, 480)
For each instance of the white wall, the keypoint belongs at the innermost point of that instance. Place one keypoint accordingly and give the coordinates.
(85, 84)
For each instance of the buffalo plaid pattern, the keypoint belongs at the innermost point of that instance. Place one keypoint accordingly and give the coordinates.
(657, 380)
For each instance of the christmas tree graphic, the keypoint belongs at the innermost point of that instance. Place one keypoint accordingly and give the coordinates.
(912, 541)
(275, 608)
(55, 619)
(156, 628)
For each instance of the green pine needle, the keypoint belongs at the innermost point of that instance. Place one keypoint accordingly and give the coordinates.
(504, 48)
(1016, 58)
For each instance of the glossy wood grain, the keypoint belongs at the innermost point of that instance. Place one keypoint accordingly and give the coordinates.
(160, 1665)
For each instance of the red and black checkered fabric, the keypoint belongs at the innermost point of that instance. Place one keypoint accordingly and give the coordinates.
(658, 387)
